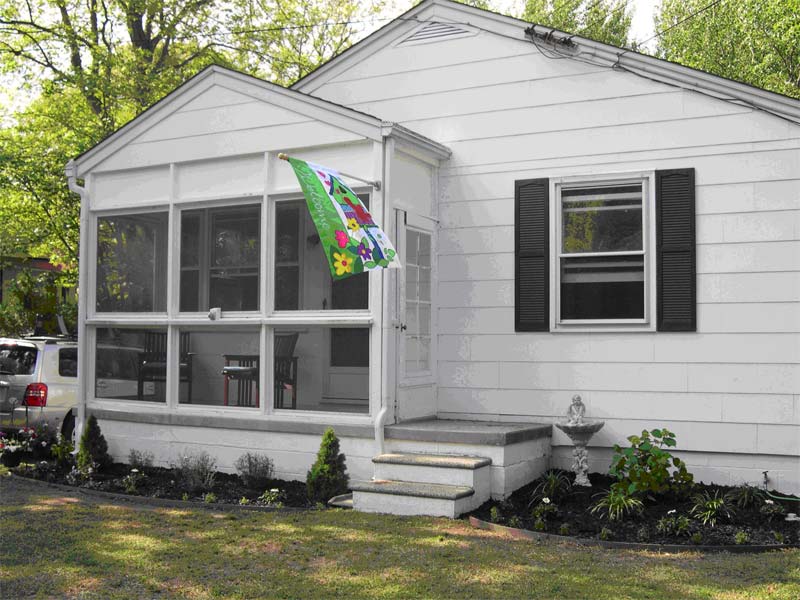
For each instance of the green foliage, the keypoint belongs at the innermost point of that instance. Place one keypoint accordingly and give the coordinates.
(741, 537)
(544, 510)
(606, 21)
(273, 497)
(673, 524)
(93, 449)
(209, 498)
(553, 484)
(31, 293)
(754, 41)
(515, 522)
(645, 465)
(779, 537)
(196, 472)
(140, 459)
(539, 525)
(696, 538)
(772, 510)
(62, 450)
(495, 516)
(616, 505)
(745, 496)
(244, 501)
(564, 529)
(133, 481)
(709, 508)
(328, 475)
(606, 534)
(255, 469)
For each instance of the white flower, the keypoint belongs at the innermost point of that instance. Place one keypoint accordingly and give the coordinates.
(274, 490)
(545, 500)
(134, 470)
(44, 443)
(672, 512)
(769, 502)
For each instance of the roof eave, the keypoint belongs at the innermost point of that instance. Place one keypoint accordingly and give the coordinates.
(404, 135)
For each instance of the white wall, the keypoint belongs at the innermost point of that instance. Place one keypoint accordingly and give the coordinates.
(731, 391)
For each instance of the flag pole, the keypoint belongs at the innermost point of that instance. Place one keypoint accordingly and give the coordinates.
(375, 184)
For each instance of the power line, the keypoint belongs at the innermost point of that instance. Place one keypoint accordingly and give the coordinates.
(682, 21)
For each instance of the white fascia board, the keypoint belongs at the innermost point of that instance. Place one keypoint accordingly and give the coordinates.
(425, 148)
(333, 114)
(671, 73)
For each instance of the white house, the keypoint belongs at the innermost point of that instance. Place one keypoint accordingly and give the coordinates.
(571, 217)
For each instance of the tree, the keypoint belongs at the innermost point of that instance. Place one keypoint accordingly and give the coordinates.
(607, 21)
(754, 41)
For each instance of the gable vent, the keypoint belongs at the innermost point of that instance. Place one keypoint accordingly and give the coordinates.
(435, 31)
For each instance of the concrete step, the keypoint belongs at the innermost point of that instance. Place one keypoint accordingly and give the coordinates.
(468, 471)
(411, 498)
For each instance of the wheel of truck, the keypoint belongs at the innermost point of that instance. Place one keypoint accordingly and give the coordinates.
(68, 426)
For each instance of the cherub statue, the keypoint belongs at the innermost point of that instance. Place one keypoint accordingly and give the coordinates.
(576, 411)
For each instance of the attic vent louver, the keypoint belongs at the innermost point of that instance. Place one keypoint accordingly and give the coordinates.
(435, 31)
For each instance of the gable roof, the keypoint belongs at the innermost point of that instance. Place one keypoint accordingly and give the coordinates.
(555, 42)
(361, 123)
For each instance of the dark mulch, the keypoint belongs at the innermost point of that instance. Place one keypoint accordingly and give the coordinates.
(574, 510)
(164, 483)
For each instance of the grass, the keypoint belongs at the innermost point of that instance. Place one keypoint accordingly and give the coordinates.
(64, 545)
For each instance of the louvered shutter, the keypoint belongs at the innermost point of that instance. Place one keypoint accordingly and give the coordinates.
(532, 261)
(676, 250)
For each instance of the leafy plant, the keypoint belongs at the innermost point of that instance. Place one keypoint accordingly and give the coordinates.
(779, 537)
(515, 522)
(673, 524)
(539, 525)
(615, 505)
(196, 472)
(554, 484)
(495, 516)
(606, 534)
(643, 534)
(772, 509)
(645, 465)
(328, 475)
(544, 510)
(745, 496)
(62, 450)
(564, 529)
(140, 459)
(741, 538)
(256, 470)
(709, 508)
(133, 481)
(93, 449)
(696, 538)
(209, 497)
(244, 501)
(273, 497)
(185, 497)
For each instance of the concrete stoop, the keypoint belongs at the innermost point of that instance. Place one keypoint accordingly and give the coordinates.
(448, 467)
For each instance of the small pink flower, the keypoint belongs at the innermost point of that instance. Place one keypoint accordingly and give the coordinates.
(342, 239)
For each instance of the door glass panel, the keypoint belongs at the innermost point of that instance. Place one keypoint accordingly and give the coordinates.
(418, 301)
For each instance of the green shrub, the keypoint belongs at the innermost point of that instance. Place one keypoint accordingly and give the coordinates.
(779, 537)
(643, 534)
(133, 481)
(645, 466)
(196, 472)
(273, 497)
(745, 496)
(140, 459)
(709, 508)
(495, 516)
(256, 470)
(328, 475)
(93, 449)
(673, 524)
(515, 522)
(544, 510)
(606, 534)
(244, 501)
(209, 498)
(771, 509)
(62, 450)
(696, 538)
(553, 484)
(741, 538)
(564, 529)
(615, 505)
(539, 525)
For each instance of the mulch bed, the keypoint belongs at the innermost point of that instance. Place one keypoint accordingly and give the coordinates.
(164, 483)
(574, 511)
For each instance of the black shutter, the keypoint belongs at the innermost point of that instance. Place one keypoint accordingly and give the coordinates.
(676, 250)
(532, 259)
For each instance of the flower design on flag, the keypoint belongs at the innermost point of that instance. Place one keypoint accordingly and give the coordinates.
(363, 251)
(343, 263)
(353, 225)
(341, 238)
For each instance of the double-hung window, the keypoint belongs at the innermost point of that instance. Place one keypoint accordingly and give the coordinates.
(606, 252)
(603, 252)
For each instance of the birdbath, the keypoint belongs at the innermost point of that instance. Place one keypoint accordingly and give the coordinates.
(580, 431)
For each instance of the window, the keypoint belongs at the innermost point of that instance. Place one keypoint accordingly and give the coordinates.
(602, 252)
(606, 252)
(17, 360)
(220, 259)
(132, 263)
(68, 362)
(131, 364)
(418, 301)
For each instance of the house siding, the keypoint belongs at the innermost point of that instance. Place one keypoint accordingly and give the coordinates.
(730, 391)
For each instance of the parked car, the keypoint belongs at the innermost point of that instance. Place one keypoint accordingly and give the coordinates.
(41, 377)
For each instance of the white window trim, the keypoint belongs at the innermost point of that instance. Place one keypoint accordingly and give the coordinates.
(648, 324)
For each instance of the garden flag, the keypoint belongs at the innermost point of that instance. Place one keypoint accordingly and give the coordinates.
(350, 238)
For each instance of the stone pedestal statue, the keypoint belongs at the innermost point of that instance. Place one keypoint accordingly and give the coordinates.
(580, 431)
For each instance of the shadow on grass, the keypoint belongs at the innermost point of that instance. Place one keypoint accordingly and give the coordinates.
(55, 545)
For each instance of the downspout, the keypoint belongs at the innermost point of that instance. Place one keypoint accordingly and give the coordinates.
(71, 171)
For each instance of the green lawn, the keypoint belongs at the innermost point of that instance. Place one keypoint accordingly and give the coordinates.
(61, 545)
